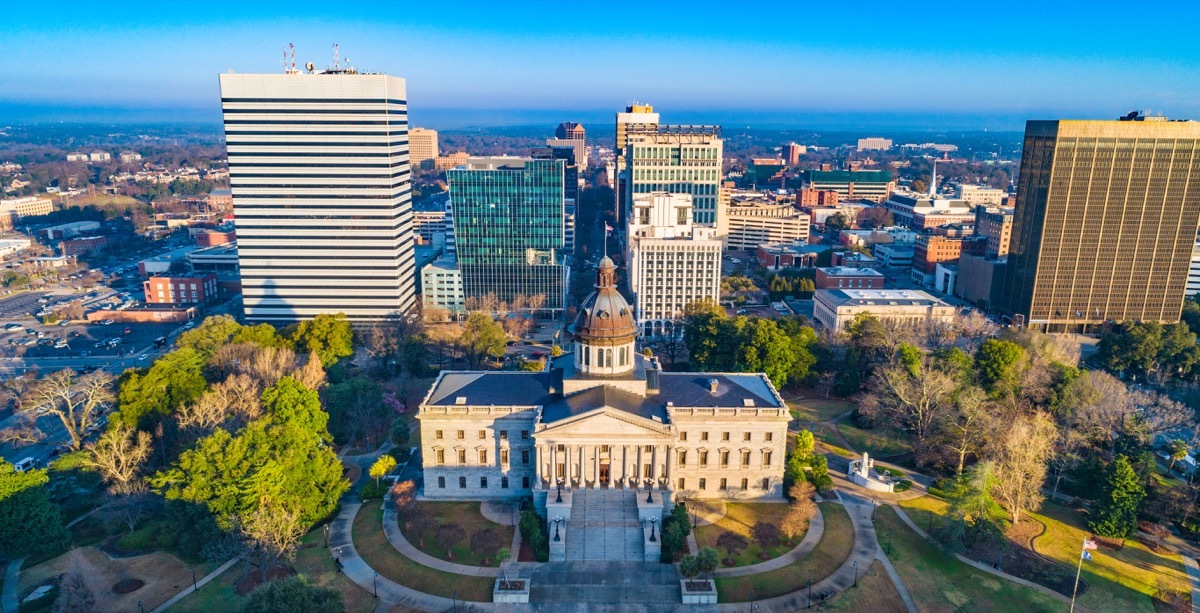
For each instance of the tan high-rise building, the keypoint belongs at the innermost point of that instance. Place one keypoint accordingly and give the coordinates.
(642, 115)
(422, 145)
(1106, 219)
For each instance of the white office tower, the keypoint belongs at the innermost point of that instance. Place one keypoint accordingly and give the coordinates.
(319, 168)
(673, 262)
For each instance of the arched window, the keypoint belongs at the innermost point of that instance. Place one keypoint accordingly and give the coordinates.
(608, 358)
(587, 356)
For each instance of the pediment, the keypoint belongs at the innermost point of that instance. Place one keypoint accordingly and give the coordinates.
(607, 422)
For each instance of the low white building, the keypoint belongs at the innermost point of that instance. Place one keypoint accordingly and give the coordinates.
(746, 224)
(895, 256)
(99, 156)
(977, 195)
(13, 246)
(945, 278)
(130, 157)
(442, 287)
(834, 308)
(673, 262)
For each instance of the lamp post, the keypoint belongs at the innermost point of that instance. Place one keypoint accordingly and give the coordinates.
(327, 536)
(856, 573)
(194, 586)
(375, 584)
(653, 521)
(649, 496)
(558, 499)
(556, 536)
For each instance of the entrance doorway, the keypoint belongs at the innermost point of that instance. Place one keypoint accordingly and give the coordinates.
(604, 474)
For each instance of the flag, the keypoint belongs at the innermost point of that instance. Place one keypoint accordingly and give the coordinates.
(1087, 556)
(1089, 544)
(607, 228)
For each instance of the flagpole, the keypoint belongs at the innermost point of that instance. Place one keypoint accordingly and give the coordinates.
(1077, 572)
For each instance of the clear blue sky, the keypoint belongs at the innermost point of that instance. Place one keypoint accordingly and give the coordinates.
(985, 63)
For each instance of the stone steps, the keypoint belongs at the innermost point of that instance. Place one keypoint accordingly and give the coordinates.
(608, 594)
(604, 526)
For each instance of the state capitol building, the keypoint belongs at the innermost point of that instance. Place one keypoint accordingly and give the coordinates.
(602, 417)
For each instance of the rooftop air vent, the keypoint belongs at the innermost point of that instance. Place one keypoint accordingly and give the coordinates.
(461, 400)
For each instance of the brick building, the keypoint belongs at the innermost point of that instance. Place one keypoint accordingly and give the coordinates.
(180, 290)
(83, 246)
(845, 277)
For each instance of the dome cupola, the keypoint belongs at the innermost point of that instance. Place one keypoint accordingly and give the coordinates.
(605, 329)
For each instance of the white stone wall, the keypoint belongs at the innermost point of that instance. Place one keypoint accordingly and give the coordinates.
(445, 479)
(767, 443)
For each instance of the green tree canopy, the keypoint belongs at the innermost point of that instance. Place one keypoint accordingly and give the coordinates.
(232, 475)
(749, 344)
(482, 337)
(331, 336)
(30, 524)
(172, 381)
(210, 335)
(295, 593)
(290, 401)
(1115, 510)
(997, 363)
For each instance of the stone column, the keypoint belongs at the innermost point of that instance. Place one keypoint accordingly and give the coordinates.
(637, 465)
(624, 465)
(595, 466)
(553, 465)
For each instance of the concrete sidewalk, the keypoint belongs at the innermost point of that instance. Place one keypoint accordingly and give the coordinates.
(11, 602)
(199, 584)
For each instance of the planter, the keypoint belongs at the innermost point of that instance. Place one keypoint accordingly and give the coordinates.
(698, 591)
(511, 590)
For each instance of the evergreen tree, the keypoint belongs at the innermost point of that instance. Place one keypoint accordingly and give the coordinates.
(295, 593)
(1116, 508)
(29, 523)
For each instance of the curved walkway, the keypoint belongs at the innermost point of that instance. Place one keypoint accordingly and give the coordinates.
(816, 529)
(861, 557)
(980, 565)
(11, 602)
(909, 603)
(391, 527)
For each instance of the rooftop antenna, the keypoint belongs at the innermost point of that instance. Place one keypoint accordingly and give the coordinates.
(285, 68)
(292, 68)
(336, 58)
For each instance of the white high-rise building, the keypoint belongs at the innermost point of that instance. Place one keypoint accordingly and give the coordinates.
(319, 169)
(673, 262)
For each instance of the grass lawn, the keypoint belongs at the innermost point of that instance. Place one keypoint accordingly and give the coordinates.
(216, 595)
(818, 409)
(920, 509)
(826, 434)
(878, 441)
(379, 554)
(833, 550)
(106, 200)
(874, 593)
(164, 576)
(468, 520)
(1119, 580)
(939, 582)
(314, 560)
(739, 519)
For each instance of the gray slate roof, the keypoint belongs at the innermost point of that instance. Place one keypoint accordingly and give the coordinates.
(498, 388)
(604, 396)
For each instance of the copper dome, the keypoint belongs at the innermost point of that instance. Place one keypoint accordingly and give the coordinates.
(605, 315)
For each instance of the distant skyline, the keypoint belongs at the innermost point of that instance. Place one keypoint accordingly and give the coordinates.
(929, 65)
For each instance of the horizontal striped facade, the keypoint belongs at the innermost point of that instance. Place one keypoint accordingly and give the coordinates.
(319, 169)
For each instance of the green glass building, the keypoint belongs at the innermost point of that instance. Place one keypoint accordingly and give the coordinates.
(509, 231)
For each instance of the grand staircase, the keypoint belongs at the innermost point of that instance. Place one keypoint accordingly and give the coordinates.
(604, 526)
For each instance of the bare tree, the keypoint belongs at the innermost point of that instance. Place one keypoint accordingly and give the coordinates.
(800, 510)
(938, 333)
(966, 427)
(1021, 463)
(311, 374)
(915, 401)
(974, 329)
(237, 397)
(273, 530)
(76, 401)
(443, 341)
(1066, 455)
(670, 344)
(119, 456)
(270, 364)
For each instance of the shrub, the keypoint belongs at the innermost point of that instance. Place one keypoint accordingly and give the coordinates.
(400, 433)
(372, 491)
(400, 454)
(903, 485)
(534, 532)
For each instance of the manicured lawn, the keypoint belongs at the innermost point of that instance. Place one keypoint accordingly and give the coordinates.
(826, 434)
(920, 509)
(831, 552)
(739, 519)
(875, 593)
(878, 441)
(939, 582)
(379, 554)
(467, 520)
(216, 595)
(1119, 580)
(164, 576)
(818, 408)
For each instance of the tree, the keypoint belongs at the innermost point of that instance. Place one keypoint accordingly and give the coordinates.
(311, 374)
(356, 409)
(1178, 450)
(766, 535)
(446, 537)
(913, 395)
(30, 524)
(795, 519)
(174, 380)
(404, 494)
(481, 337)
(295, 593)
(400, 432)
(966, 426)
(1020, 463)
(556, 351)
(733, 544)
(804, 444)
(76, 401)
(1116, 508)
(486, 543)
(231, 474)
(975, 515)
(875, 217)
(998, 363)
(212, 333)
(384, 465)
(119, 456)
(289, 401)
(837, 222)
(273, 529)
(236, 398)
(330, 336)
